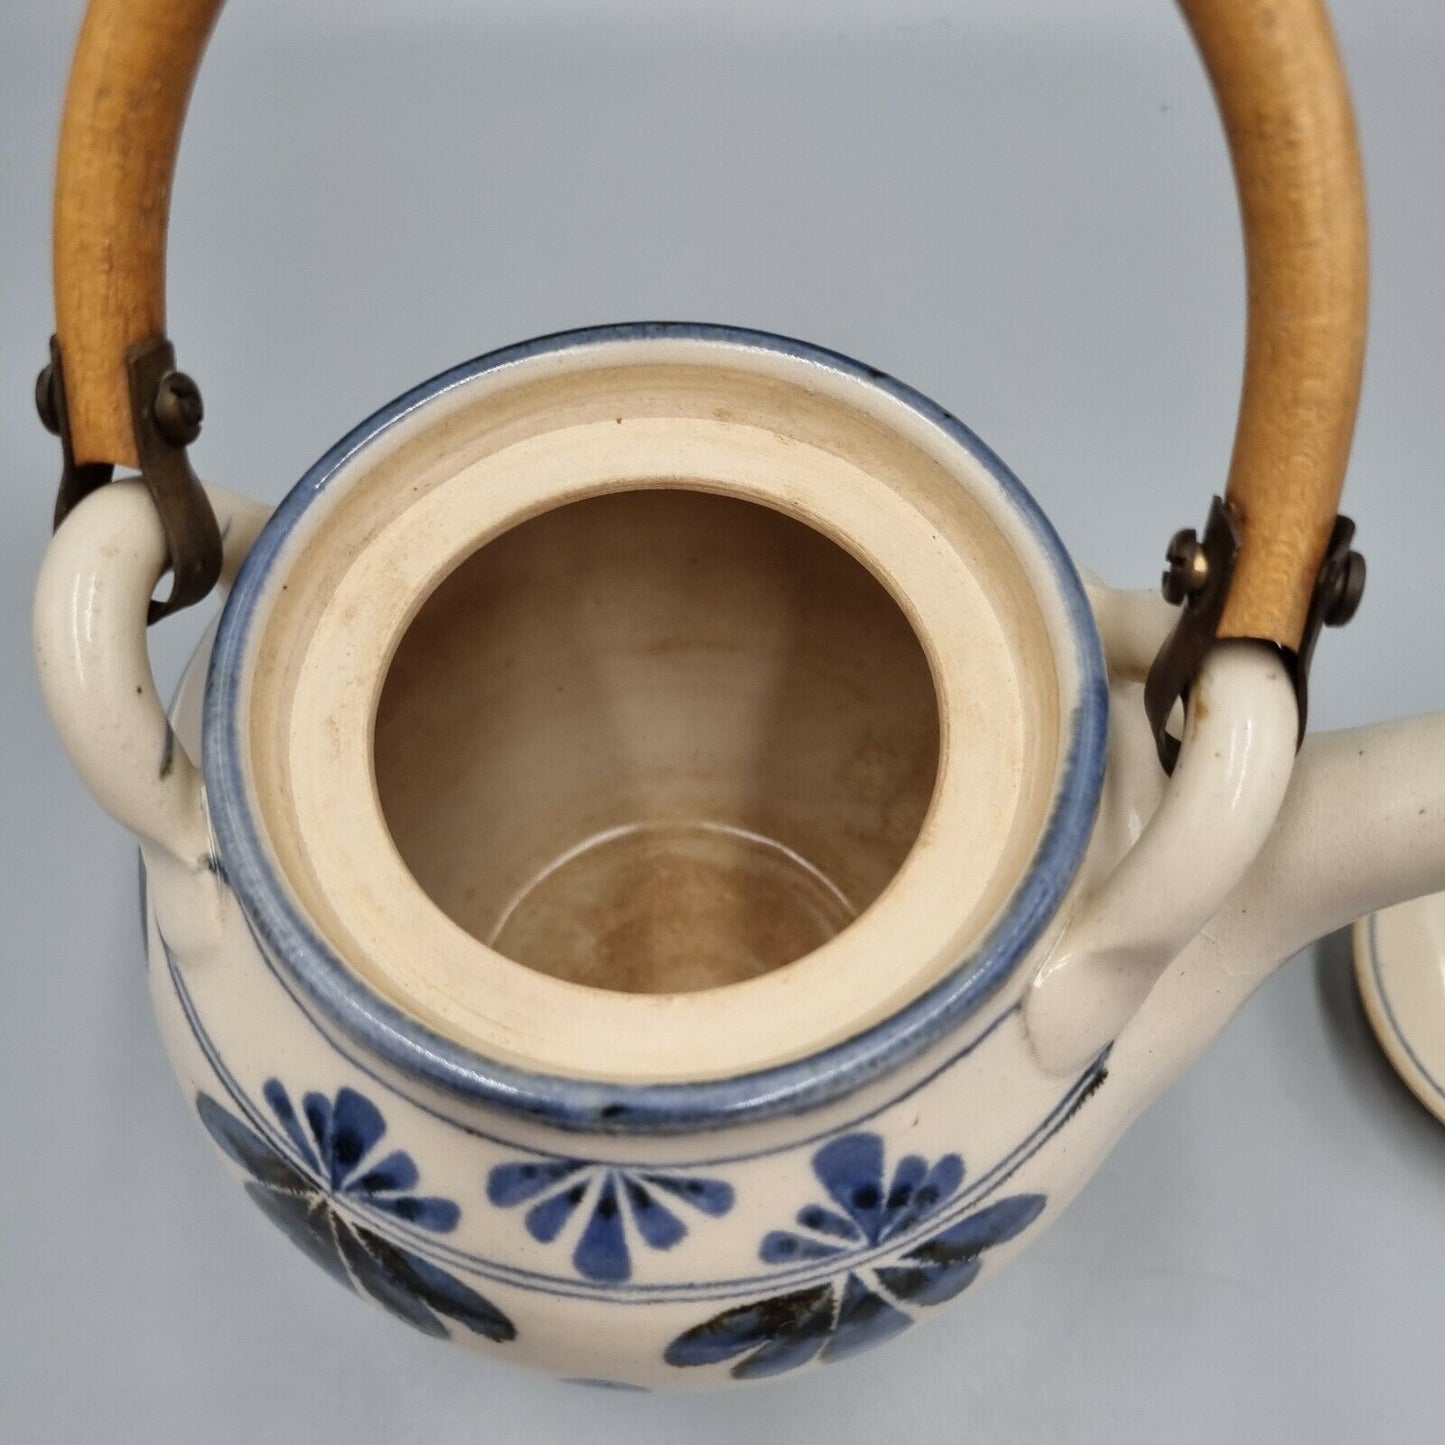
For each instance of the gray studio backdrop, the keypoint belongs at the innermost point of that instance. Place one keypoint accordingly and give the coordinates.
(1022, 208)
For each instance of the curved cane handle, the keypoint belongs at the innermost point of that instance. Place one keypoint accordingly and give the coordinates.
(1286, 111)
(130, 81)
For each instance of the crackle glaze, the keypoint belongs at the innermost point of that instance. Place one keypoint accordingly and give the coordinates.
(940, 926)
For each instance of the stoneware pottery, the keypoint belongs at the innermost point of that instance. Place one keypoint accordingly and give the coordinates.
(663, 871)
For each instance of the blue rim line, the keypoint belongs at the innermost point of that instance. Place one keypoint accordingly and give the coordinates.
(1372, 943)
(421, 1054)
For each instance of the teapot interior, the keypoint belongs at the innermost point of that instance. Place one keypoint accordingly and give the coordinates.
(657, 741)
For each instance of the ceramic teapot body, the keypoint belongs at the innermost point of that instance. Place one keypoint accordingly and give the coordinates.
(663, 870)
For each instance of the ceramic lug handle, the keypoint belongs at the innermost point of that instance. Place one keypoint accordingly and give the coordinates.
(95, 674)
(1286, 111)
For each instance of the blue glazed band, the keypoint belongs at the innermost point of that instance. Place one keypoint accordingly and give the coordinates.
(326, 986)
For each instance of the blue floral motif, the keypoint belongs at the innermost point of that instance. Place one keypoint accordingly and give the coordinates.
(871, 1303)
(340, 1173)
(604, 1193)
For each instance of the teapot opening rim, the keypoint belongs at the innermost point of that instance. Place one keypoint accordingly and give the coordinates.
(355, 1013)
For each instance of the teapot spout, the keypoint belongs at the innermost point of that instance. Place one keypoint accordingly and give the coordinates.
(1362, 828)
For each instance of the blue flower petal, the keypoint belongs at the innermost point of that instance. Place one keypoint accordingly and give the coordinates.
(822, 1220)
(280, 1101)
(865, 1319)
(944, 1266)
(544, 1221)
(394, 1175)
(782, 1246)
(307, 1223)
(446, 1294)
(317, 1108)
(994, 1225)
(254, 1154)
(912, 1170)
(601, 1253)
(397, 1279)
(790, 1330)
(356, 1126)
(943, 1181)
(657, 1224)
(851, 1169)
(787, 1351)
(711, 1196)
(373, 1264)
(425, 1211)
(511, 1184)
(937, 1279)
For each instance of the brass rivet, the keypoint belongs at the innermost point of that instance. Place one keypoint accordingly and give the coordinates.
(178, 408)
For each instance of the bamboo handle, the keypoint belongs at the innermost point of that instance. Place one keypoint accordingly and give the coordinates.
(1286, 109)
(130, 81)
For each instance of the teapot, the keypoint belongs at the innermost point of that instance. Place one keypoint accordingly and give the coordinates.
(662, 869)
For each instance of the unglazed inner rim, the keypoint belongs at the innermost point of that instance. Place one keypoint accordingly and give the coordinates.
(778, 429)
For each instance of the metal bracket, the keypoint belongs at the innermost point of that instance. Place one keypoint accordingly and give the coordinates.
(1198, 577)
(1337, 596)
(166, 412)
(76, 483)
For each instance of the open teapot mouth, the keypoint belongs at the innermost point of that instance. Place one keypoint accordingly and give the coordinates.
(656, 704)
(657, 741)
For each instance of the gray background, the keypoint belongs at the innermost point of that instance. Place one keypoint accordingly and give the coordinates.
(1024, 209)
